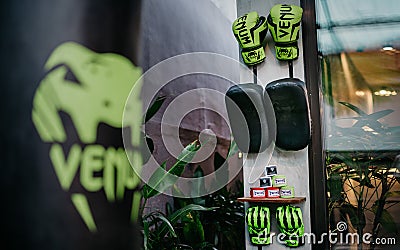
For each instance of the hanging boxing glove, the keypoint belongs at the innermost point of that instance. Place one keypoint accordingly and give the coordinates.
(284, 24)
(250, 124)
(250, 31)
(289, 99)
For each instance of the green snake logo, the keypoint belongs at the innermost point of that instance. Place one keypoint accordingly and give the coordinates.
(91, 88)
(105, 81)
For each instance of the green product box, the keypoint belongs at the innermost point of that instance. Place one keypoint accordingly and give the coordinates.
(287, 192)
(278, 181)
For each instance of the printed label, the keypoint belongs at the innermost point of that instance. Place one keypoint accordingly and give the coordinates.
(280, 181)
(286, 192)
(258, 193)
(273, 193)
(270, 170)
(265, 182)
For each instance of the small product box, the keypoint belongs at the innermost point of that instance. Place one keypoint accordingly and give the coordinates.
(272, 192)
(257, 192)
(278, 181)
(266, 181)
(271, 170)
(287, 192)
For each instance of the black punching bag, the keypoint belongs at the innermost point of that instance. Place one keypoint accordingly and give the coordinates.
(251, 126)
(289, 100)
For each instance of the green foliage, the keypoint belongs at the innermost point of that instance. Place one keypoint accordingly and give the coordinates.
(367, 133)
(159, 229)
(146, 140)
(224, 226)
(156, 105)
(215, 221)
(162, 179)
(362, 182)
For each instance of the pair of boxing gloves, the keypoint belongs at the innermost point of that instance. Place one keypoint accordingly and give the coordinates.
(283, 22)
(254, 113)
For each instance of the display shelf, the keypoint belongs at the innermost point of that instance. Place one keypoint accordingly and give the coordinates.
(294, 200)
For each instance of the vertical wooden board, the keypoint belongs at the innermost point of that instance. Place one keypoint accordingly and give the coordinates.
(293, 164)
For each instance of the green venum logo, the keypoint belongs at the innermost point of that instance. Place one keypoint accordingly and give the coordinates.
(104, 82)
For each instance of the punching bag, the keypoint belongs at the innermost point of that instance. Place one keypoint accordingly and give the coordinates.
(289, 99)
(67, 68)
(251, 126)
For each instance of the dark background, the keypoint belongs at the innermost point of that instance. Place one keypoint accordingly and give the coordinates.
(36, 212)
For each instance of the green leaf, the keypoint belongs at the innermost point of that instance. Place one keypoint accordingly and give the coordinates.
(233, 149)
(379, 114)
(176, 192)
(386, 219)
(166, 222)
(150, 224)
(179, 214)
(354, 108)
(154, 108)
(146, 230)
(335, 187)
(198, 172)
(364, 182)
(183, 247)
(147, 190)
(333, 168)
(393, 194)
(351, 211)
(221, 164)
(218, 161)
(150, 143)
(198, 187)
(387, 222)
(161, 179)
(193, 230)
(168, 208)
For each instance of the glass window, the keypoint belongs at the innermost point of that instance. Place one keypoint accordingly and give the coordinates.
(359, 44)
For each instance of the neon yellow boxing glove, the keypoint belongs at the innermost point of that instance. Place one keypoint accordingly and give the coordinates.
(250, 31)
(284, 24)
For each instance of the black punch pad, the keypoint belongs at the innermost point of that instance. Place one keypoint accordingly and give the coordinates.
(247, 117)
(289, 99)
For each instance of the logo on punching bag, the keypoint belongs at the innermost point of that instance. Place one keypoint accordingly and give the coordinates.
(91, 88)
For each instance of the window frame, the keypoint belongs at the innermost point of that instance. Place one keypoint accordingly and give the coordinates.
(317, 174)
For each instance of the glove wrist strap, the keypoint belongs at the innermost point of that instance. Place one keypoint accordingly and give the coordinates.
(254, 55)
(286, 51)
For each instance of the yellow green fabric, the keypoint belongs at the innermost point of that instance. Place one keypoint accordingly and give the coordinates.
(258, 222)
(290, 222)
(250, 31)
(284, 22)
